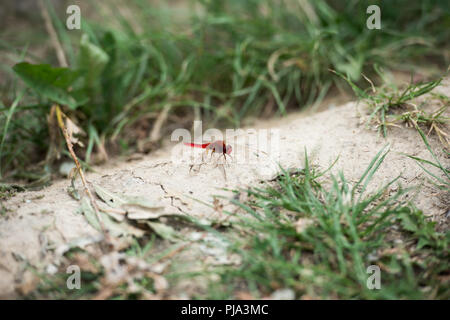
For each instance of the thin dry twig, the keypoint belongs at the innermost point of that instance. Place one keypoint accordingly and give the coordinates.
(155, 135)
(59, 117)
(53, 35)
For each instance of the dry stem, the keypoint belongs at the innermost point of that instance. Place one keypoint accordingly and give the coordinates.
(53, 35)
(59, 117)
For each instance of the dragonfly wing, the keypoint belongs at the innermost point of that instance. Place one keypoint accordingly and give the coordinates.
(197, 145)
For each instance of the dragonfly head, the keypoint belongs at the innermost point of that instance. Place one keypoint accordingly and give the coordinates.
(228, 149)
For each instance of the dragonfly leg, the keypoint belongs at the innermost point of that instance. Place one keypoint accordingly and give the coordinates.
(224, 172)
(191, 167)
(225, 157)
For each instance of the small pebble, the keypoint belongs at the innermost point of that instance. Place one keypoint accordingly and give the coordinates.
(65, 168)
(283, 294)
(51, 269)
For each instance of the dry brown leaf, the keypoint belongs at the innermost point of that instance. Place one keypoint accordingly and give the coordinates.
(73, 130)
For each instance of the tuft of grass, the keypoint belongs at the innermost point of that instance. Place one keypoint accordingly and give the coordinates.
(387, 105)
(318, 241)
(444, 182)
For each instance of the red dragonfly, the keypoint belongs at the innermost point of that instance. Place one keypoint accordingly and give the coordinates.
(218, 146)
(224, 149)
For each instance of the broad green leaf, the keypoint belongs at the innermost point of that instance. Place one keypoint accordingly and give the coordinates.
(50, 82)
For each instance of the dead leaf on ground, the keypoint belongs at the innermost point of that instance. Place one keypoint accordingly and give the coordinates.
(110, 198)
(116, 229)
(117, 214)
(163, 230)
(135, 207)
(77, 243)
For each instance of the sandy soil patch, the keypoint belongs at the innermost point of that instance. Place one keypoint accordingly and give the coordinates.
(37, 223)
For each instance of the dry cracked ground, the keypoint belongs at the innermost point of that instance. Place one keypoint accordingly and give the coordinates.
(40, 226)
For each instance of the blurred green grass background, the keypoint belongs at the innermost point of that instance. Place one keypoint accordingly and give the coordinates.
(134, 62)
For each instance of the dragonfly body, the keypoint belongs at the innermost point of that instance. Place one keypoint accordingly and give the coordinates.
(218, 146)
